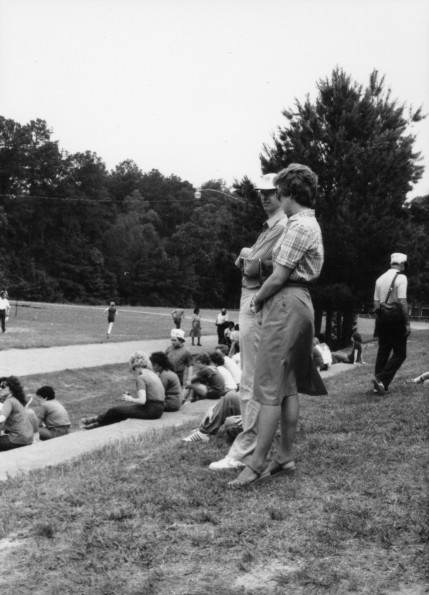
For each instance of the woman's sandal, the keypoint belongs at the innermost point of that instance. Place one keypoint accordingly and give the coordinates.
(245, 481)
(274, 469)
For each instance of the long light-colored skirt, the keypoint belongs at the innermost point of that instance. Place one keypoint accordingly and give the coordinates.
(284, 364)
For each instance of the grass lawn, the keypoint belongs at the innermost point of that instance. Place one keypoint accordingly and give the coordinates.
(148, 517)
(45, 325)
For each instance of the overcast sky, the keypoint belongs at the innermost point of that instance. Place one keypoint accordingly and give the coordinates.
(196, 87)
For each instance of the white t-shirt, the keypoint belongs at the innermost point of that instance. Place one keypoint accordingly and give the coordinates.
(230, 383)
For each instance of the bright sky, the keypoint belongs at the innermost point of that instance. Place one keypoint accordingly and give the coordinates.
(196, 87)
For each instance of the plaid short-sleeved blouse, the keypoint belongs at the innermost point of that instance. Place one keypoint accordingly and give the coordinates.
(301, 247)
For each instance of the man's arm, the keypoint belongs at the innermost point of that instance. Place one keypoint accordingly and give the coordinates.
(404, 305)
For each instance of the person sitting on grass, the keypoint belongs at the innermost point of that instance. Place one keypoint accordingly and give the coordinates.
(170, 381)
(219, 361)
(14, 420)
(227, 409)
(147, 404)
(322, 355)
(208, 383)
(420, 379)
(229, 363)
(355, 355)
(53, 417)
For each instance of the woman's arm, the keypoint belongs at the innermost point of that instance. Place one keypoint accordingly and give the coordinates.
(140, 399)
(272, 285)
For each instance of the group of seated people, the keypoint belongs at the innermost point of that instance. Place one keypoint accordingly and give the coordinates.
(20, 425)
(164, 381)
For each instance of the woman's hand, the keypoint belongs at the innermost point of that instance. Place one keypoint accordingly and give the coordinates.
(256, 305)
(126, 396)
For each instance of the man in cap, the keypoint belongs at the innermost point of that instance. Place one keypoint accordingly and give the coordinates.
(256, 265)
(392, 336)
(179, 357)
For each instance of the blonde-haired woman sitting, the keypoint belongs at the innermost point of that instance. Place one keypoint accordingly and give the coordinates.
(148, 402)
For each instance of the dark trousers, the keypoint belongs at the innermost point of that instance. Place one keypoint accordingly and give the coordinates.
(391, 354)
(6, 444)
(3, 320)
(150, 410)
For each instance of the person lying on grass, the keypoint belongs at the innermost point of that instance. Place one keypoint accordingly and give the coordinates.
(226, 412)
(420, 379)
(355, 355)
(14, 420)
(148, 402)
(53, 417)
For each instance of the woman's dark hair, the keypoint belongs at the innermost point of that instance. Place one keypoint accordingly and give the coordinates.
(196, 310)
(299, 182)
(231, 324)
(217, 358)
(15, 388)
(46, 392)
(160, 359)
(237, 327)
(203, 358)
(357, 337)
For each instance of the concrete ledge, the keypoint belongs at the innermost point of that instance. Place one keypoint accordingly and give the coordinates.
(63, 449)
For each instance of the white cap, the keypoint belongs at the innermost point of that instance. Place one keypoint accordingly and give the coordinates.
(178, 333)
(398, 258)
(266, 182)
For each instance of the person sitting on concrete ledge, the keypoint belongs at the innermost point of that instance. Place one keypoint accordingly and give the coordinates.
(147, 404)
(219, 361)
(170, 381)
(53, 417)
(14, 419)
(229, 363)
(207, 383)
(34, 420)
(225, 412)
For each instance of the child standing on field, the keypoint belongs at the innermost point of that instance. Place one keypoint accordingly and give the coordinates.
(111, 315)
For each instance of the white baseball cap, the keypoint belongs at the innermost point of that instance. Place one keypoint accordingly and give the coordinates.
(266, 182)
(398, 258)
(178, 333)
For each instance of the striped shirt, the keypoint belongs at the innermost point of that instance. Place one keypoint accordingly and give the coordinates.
(262, 249)
(301, 247)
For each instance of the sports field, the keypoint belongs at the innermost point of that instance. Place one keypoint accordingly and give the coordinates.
(33, 324)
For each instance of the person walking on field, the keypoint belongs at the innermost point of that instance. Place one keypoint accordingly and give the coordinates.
(4, 310)
(178, 315)
(392, 335)
(255, 264)
(222, 322)
(111, 315)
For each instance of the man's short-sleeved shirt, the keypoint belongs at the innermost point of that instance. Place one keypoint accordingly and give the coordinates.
(212, 379)
(383, 283)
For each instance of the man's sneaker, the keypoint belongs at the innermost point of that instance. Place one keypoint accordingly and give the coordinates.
(226, 463)
(196, 436)
(378, 386)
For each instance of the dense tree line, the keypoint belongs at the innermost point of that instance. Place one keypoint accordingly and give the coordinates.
(71, 230)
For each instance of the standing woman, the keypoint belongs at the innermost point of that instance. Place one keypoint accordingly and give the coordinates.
(284, 364)
(196, 327)
(111, 315)
(18, 430)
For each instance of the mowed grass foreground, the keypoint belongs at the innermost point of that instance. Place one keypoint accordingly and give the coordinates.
(148, 516)
(34, 324)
